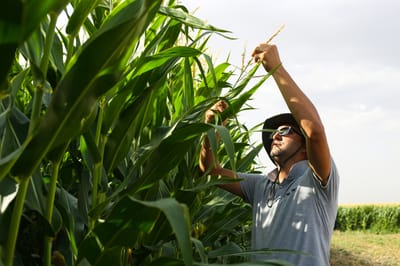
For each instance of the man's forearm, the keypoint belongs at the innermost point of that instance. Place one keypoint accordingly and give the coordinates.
(207, 161)
(305, 113)
(298, 103)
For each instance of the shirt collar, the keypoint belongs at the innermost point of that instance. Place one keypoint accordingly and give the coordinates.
(296, 170)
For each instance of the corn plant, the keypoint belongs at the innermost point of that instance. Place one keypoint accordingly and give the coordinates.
(377, 218)
(101, 123)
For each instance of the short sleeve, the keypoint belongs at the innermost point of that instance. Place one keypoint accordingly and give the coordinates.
(249, 184)
(333, 182)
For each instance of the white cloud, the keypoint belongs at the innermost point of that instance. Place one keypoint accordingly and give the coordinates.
(346, 77)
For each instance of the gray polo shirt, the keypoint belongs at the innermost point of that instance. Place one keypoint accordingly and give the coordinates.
(301, 218)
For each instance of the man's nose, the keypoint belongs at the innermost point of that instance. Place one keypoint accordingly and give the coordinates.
(276, 135)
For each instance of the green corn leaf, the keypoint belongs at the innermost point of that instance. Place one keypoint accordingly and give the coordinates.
(228, 144)
(221, 75)
(35, 197)
(237, 103)
(225, 220)
(200, 249)
(123, 228)
(213, 140)
(92, 73)
(213, 75)
(248, 160)
(35, 11)
(174, 147)
(163, 57)
(89, 149)
(242, 82)
(14, 128)
(128, 123)
(212, 183)
(119, 141)
(57, 54)
(188, 93)
(18, 19)
(228, 249)
(81, 12)
(67, 206)
(165, 261)
(32, 49)
(188, 19)
(178, 217)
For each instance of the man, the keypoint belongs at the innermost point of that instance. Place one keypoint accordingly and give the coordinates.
(294, 206)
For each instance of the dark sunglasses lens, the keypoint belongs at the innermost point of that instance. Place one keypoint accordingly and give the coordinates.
(282, 132)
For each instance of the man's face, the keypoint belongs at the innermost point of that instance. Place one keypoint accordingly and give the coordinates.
(285, 142)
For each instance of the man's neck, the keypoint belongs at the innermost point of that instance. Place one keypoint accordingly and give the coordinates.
(283, 172)
(282, 175)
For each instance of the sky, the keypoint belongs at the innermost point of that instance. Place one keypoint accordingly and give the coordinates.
(345, 55)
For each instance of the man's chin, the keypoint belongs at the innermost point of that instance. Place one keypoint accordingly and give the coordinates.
(274, 156)
(275, 153)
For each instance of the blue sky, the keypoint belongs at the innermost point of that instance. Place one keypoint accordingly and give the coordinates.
(345, 56)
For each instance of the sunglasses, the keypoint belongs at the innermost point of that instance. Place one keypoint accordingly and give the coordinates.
(283, 131)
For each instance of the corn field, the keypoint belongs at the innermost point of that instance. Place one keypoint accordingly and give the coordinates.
(101, 120)
(369, 217)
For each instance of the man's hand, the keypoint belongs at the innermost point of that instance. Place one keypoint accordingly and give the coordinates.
(219, 107)
(267, 55)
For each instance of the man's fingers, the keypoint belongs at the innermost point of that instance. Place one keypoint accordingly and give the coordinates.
(261, 48)
(257, 59)
(219, 107)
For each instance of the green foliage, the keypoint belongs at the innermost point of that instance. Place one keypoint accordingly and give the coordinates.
(376, 218)
(101, 121)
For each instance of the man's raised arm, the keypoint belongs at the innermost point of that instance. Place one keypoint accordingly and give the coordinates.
(302, 109)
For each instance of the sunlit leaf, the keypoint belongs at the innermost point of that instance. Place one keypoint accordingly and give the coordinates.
(189, 19)
(80, 14)
(73, 102)
(229, 147)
